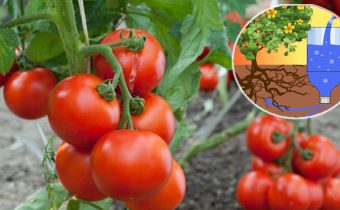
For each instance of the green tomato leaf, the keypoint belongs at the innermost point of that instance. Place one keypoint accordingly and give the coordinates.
(240, 6)
(183, 130)
(39, 200)
(207, 15)
(8, 42)
(104, 204)
(44, 46)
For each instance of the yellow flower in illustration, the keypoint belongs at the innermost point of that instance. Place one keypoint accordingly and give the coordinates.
(284, 7)
(299, 21)
(301, 7)
(271, 13)
(289, 28)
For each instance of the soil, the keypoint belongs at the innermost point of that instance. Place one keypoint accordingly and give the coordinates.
(292, 104)
(211, 176)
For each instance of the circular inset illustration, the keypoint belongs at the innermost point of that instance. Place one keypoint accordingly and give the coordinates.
(287, 60)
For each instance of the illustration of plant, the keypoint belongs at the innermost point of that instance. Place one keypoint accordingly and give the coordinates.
(285, 25)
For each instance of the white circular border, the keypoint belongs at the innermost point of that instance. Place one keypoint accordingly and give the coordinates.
(234, 72)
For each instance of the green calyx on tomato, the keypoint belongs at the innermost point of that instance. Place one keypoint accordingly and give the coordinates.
(137, 105)
(278, 137)
(133, 43)
(107, 90)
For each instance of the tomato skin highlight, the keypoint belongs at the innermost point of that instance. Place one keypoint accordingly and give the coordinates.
(169, 198)
(257, 164)
(78, 114)
(26, 93)
(321, 165)
(260, 137)
(142, 70)
(130, 164)
(4, 78)
(208, 78)
(157, 117)
(332, 195)
(315, 194)
(74, 173)
(289, 191)
(252, 190)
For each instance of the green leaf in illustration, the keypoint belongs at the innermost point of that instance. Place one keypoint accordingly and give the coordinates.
(44, 46)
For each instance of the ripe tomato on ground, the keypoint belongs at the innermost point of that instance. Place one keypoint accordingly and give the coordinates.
(4, 78)
(26, 93)
(157, 117)
(332, 195)
(315, 194)
(168, 198)
(142, 70)
(130, 164)
(260, 137)
(257, 164)
(252, 190)
(74, 173)
(289, 192)
(209, 77)
(324, 158)
(78, 114)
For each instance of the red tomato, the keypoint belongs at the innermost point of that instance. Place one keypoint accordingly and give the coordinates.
(321, 165)
(78, 114)
(168, 198)
(257, 164)
(260, 135)
(315, 195)
(157, 117)
(142, 70)
(129, 164)
(73, 169)
(4, 78)
(204, 53)
(289, 192)
(252, 190)
(337, 170)
(209, 77)
(332, 195)
(26, 93)
(235, 17)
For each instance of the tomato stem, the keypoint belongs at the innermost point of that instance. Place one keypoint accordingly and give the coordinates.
(217, 139)
(106, 51)
(40, 15)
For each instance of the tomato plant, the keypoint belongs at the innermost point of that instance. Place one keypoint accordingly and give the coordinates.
(266, 137)
(78, 114)
(168, 198)
(332, 199)
(138, 67)
(156, 117)
(70, 162)
(323, 160)
(289, 191)
(142, 168)
(252, 190)
(209, 77)
(26, 93)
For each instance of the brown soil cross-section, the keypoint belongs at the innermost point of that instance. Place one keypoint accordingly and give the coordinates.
(286, 86)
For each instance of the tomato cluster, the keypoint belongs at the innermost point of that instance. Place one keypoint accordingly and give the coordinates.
(290, 170)
(97, 159)
(132, 166)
